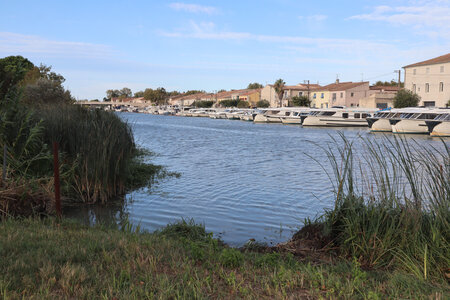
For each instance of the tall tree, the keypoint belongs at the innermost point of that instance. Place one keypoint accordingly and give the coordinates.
(406, 98)
(254, 85)
(12, 71)
(45, 91)
(126, 93)
(112, 94)
(300, 101)
(279, 89)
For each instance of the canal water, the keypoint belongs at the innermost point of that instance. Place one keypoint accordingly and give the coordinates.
(241, 180)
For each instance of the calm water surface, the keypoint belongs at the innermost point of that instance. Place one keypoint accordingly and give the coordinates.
(242, 180)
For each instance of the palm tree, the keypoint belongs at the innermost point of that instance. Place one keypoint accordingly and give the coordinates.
(279, 89)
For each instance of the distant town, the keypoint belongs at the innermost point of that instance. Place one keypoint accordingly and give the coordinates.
(429, 79)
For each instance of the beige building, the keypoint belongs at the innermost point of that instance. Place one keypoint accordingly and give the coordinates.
(380, 97)
(268, 93)
(187, 100)
(339, 94)
(430, 79)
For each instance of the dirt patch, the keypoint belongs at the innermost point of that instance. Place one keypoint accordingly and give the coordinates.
(310, 244)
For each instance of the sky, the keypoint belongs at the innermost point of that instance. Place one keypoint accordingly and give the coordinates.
(224, 44)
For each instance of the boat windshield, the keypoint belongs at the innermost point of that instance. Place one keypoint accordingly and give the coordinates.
(327, 113)
(442, 117)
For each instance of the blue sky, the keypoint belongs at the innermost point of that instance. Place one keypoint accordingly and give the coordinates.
(211, 45)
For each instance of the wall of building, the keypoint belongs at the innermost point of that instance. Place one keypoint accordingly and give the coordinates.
(437, 76)
(320, 99)
(268, 93)
(379, 100)
(353, 95)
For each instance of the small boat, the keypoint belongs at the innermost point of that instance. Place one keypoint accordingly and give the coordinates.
(269, 116)
(338, 117)
(294, 116)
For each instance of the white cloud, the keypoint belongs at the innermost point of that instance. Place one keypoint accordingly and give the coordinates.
(314, 18)
(15, 43)
(426, 17)
(193, 8)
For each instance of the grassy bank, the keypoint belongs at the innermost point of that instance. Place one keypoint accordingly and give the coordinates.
(44, 259)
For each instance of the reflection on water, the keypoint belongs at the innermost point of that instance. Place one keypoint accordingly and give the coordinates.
(242, 180)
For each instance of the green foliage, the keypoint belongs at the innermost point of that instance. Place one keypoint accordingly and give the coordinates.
(45, 91)
(263, 104)
(186, 229)
(448, 104)
(231, 258)
(406, 98)
(12, 70)
(229, 103)
(403, 220)
(389, 83)
(192, 92)
(279, 88)
(158, 96)
(254, 85)
(203, 104)
(300, 101)
(242, 104)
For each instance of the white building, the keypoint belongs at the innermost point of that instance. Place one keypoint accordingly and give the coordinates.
(430, 79)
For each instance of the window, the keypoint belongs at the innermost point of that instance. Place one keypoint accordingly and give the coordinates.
(345, 115)
(414, 87)
(342, 95)
(429, 103)
(314, 96)
(441, 86)
(414, 71)
(321, 96)
(334, 96)
(427, 70)
(382, 105)
(326, 105)
(300, 93)
(356, 116)
(321, 105)
(351, 105)
(442, 69)
(427, 87)
(364, 116)
(351, 94)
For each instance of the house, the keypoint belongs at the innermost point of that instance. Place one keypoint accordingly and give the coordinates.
(430, 79)
(380, 97)
(339, 94)
(187, 100)
(251, 96)
(130, 100)
(268, 93)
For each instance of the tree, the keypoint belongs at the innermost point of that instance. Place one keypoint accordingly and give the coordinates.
(12, 71)
(279, 89)
(221, 91)
(203, 104)
(242, 104)
(388, 83)
(112, 94)
(192, 92)
(254, 85)
(229, 103)
(406, 98)
(300, 101)
(158, 96)
(125, 93)
(45, 91)
(262, 103)
(139, 94)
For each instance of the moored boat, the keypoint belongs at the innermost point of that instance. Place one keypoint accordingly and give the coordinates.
(440, 125)
(412, 120)
(338, 117)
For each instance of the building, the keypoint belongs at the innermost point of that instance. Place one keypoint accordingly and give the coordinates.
(251, 96)
(268, 93)
(380, 97)
(339, 94)
(430, 79)
(187, 100)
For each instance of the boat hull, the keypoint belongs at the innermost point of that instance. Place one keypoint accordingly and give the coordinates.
(294, 121)
(439, 129)
(333, 122)
(379, 125)
(409, 126)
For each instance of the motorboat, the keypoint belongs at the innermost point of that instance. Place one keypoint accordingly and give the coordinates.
(270, 115)
(412, 120)
(294, 116)
(338, 117)
(440, 125)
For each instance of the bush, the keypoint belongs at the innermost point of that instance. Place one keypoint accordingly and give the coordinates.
(242, 104)
(231, 258)
(262, 104)
(406, 98)
(203, 104)
(300, 101)
(228, 103)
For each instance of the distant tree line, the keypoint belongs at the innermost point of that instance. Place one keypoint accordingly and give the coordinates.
(389, 83)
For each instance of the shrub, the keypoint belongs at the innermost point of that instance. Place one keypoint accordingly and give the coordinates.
(228, 103)
(300, 101)
(231, 258)
(406, 98)
(203, 104)
(242, 104)
(262, 104)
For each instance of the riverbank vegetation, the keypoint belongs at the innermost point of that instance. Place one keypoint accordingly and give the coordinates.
(98, 154)
(50, 259)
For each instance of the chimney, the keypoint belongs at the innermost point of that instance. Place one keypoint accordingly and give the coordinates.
(337, 80)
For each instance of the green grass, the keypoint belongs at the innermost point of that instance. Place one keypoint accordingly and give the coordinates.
(44, 259)
(392, 208)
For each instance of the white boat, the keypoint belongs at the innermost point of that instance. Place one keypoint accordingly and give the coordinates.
(379, 122)
(294, 116)
(440, 125)
(247, 116)
(412, 120)
(270, 116)
(338, 117)
(203, 112)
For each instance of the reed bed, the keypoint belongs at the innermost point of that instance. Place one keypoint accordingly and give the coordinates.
(392, 207)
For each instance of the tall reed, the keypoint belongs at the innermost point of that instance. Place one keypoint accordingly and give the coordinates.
(99, 144)
(392, 205)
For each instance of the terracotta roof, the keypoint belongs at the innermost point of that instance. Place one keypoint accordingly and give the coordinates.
(252, 91)
(437, 60)
(386, 88)
(341, 86)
